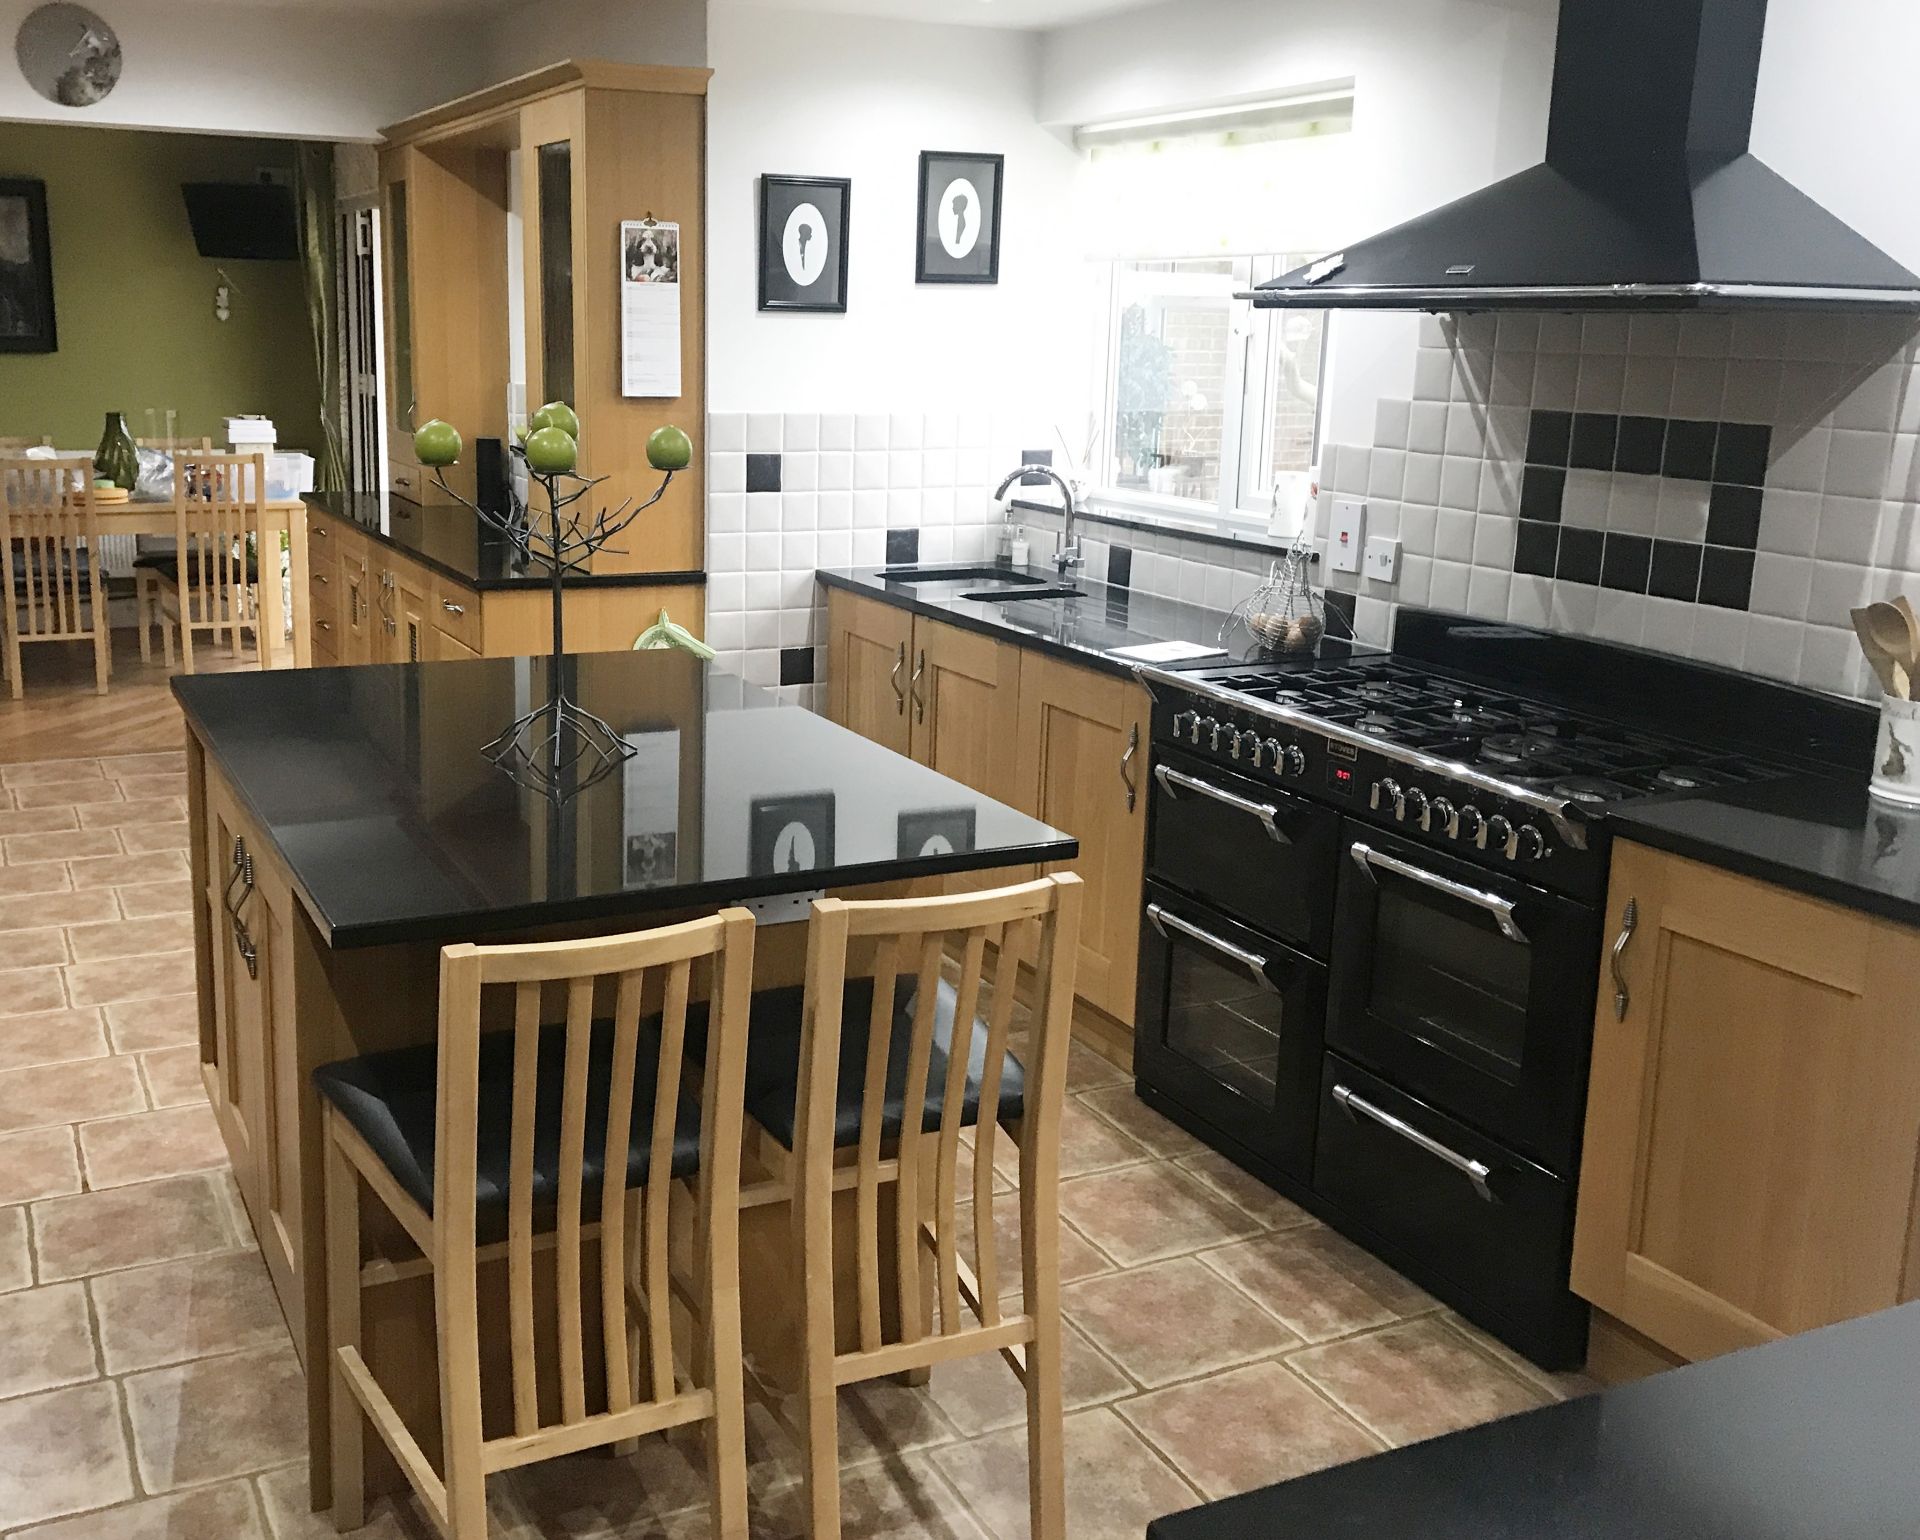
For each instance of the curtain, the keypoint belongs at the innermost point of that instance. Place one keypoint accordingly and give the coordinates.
(320, 259)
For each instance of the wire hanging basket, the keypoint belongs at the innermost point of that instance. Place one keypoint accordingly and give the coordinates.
(1283, 613)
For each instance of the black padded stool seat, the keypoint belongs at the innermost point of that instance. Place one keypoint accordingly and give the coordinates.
(389, 1099)
(773, 1061)
(167, 564)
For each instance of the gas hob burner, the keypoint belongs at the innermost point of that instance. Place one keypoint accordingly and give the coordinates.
(1378, 724)
(1590, 790)
(1483, 719)
(1518, 748)
(1686, 777)
(1382, 692)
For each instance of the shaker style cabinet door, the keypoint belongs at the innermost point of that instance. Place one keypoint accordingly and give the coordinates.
(868, 662)
(1753, 1120)
(963, 696)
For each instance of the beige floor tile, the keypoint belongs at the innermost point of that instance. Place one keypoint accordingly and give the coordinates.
(982, 1393)
(63, 845)
(143, 812)
(38, 1163)
(16, 1261)
(881, 1418)
(1119, 1106)
(51, 1037)
(173, 1076)
(116, 1151)
(130, 938)
(1247, 1428)
(213, 1513)
(1116, 1484)
(964, 1177)
(217, 1417)
(48, 1337)
(96, 1232)
(67, 793)
(1172, 1321)
(119, 871)
(31, 991)
(1415, 1380)
(1077, 1258)
(37, 772)
(283, 1494)
(136, 787)
(65, 1453)
(1087, 1070)
(42, 910)
(1143, 1213)
(1319, 1283)
(150, 898)
(1244, 1190)
(157, 836)
(130, 978)
(172, 1021)
(1561, 1386)
(164, 762)
(69, 1093)
(35, 948)
(34, 877)
(178, 1310)
(39, 820)
(904, 1498)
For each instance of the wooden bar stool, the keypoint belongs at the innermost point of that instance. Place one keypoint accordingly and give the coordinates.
(550, 1136)
(219, 507)
(867, 1059)
(56, 590)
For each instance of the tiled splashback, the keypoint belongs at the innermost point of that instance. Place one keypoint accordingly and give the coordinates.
(1721, 487)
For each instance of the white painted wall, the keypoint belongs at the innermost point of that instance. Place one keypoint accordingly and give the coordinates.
(857, 97)
(524, 37)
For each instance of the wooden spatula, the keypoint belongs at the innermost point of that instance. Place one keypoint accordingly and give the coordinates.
(1894, 674)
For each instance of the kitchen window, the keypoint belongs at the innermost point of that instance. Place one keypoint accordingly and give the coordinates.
(1209, 412)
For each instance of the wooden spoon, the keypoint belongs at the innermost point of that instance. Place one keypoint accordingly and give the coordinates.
(1882, 660)
(1894, 633)
(1912, 659)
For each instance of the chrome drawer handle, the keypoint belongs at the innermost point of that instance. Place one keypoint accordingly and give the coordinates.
(451, 608)
(893, 678)
(242, 937)
(1628, 921)
(1266, 812)
(1475, 1171)
(1366, 858)
(1253, 962)
(1126, 766)
(913, 688)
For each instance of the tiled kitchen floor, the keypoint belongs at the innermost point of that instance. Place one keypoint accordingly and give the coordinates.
(1219, 1338)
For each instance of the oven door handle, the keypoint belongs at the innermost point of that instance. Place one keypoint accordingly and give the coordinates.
(1475, 1171)
(1367, 858)
(1253, 962)
(1266, 812)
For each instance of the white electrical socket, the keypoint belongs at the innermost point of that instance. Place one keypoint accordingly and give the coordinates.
(1382, 559)
(1346, 533)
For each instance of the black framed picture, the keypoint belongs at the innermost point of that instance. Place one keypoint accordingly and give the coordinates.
(959, 217)
(936, 831)
(790, 834)
(26, 268)
(803, 242)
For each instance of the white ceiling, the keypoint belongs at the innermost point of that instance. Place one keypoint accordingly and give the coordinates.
(1034, 15)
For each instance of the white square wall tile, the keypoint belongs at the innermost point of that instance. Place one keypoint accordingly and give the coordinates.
(869, 510)
(1427, 427)
(799, 472)
(1460, 482)
(1454, 531)
(799, 510)
(1556, 378)
(763, 560)
(1789, 521)
(1588, 496)
(1782, 585)
(941, 430)
(1699, 388)
(1487, 591)
(1390, 420)
(796, 588)
(726, 591)
(1849, 529)
(1560, 333)
(800, 431)
(726, 512)
(870, 430)
(1448, 587)
(726, 630)
(1799, 458)
(763, 510)
(1773, 647)
(869, 469)
(727, 472)
(903, 467)
(1602, 385)
(938, 468)
(1858, 463)
(763, 596)
(903, 508)
(869, 547)
(905, 431)
(726, 553)
(1432, 374)
(1668, 626)
(764, 432)
(836, 548)
(835, 510)
(1618, 616)
(1873, 402)
(836, 430)
(1681, 511)
(726, 432)
(1422, 481)
(833, 470)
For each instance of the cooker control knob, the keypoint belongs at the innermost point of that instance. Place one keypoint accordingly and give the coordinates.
(1440, 816)
(1414, 805)
(1183, 722)
(1529, 844)
(1292, 760)
(1249, 744)
(1215, 728)
(1470, 824)
(1386, 793)
(1201, 725)
(1497, 835)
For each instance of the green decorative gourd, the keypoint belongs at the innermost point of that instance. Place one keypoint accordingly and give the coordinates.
(117, 460)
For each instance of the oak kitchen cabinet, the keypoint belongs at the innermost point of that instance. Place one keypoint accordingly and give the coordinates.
(1062, 742)
(1752, 1162)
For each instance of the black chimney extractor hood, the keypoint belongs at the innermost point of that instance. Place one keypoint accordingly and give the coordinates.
(1648, 198)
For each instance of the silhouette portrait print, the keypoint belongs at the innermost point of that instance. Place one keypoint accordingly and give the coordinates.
(959, 218)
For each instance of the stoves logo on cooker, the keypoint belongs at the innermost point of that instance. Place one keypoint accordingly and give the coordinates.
(1343, 750)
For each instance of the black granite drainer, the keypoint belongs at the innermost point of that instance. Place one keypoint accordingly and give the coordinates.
(903, 545)
(796, 665)
(1120, 566)
(763, 473)
(1730, 456)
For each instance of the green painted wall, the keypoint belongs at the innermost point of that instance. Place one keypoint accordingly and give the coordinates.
(134, 300)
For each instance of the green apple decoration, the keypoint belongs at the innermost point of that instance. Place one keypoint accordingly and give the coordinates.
(669, 449)
(551, 451)
(556, 414)
(437, 444)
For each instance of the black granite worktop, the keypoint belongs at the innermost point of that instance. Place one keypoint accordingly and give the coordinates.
(1080, 630)
(371, 786)
(454, 542)
(1813, 1438)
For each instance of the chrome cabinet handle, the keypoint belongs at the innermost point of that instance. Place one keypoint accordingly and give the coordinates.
(1253, 962)
(1266, 812)
(893, 678)
(913, 688)
(321, 577)
(1126, 766)
(1475, 1171)
(1367, 858)
(324, 625)
(242, 937)
(1628, 921)
(318, 531)
(451, 608)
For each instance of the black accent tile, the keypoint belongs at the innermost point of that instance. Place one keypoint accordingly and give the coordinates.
(903, 545)
(1594, 437)
(1536, 548)
(796, 665)
(1542, 490)
(1733, 516)
(1579, 555)
(1726, 577)
(763, 473)
(1120, 566)
(1625, 562)
(1689, 453)
(1036, 457)
(1548, 437)
(1642, 441)
(1676, 570)
(1742, 455)
(1340, 608)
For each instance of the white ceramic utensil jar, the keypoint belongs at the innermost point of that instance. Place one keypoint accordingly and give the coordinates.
(1896, 756)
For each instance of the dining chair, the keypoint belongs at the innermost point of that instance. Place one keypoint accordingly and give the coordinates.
(571, 1140)
(50, 539)
(219, 509)
(889, 1070)
(154, 552)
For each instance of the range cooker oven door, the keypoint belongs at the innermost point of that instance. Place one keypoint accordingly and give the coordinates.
(1229, 1027)
(1466, 988)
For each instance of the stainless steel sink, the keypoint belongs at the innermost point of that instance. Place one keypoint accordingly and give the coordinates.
(1021, 595)
(988, 574)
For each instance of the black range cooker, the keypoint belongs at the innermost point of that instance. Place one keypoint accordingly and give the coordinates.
(1371, 936)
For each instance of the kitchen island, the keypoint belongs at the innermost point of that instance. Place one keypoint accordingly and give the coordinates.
(345, 825)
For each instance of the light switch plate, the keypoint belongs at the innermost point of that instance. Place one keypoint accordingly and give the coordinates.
(1346, 533)
(1382, 560)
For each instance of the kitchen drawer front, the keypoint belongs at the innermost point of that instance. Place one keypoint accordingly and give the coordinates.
(1496, 1228)
(408, 481)
(323, 591)
(1248, 849)
(456, 611)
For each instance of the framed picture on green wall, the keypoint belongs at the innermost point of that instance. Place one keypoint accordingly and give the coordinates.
(26, 268)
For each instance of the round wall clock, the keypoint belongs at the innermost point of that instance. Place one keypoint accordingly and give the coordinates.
(68, 54)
